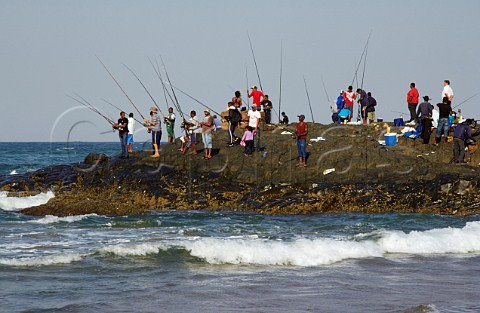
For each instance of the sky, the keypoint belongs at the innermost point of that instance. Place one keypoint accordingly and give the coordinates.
(49, 50)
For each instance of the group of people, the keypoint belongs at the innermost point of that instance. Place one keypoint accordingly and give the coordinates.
(343, 111)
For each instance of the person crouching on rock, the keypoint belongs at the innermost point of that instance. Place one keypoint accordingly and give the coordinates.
(461, 135)
(155, 125)
(301, 132)
(247, 141)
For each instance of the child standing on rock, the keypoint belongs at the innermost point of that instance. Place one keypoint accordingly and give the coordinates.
(247, 141)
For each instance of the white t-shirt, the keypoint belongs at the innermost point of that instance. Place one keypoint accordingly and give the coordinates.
(254, 117)
(447, 90)
(196, 128)
(131, 125)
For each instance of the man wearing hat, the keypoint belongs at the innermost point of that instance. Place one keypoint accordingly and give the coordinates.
(155, 126)
(257, 95)
(301, 132)
(424, 113)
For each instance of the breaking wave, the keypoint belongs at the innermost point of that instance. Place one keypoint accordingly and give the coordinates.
(50, 219)
(44, 260)
(19, 203)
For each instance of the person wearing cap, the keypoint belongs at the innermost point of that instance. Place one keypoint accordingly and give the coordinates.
(253, 121)
(461, 136)
(424, 113)
(412, 101)
(257, 96)
(122, 127)
(339, 106)
(301, 132)
(155, 126)
(447, 91)
(350, 97)
(443, 126)
(207, 128)
(170, 124)
(267, 108)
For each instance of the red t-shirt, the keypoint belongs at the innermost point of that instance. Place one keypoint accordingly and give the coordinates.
(256, 94)
(301, 128)
(412, 96)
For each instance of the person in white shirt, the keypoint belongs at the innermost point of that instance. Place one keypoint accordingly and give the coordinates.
(131, 130)
(447, 90)
(254, 121)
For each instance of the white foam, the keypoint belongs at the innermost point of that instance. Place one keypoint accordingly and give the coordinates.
(18, 203)
(302, 252)
(50, 219)
(133, 249)
(443, 240)
(44, 260)
(14, 172)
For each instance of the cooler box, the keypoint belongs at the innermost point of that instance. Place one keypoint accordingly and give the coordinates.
(390, 140)
(398, 122)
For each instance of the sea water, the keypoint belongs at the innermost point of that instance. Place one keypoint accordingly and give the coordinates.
(198, 261)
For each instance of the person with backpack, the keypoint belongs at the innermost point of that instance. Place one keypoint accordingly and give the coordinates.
(234, 118)
(370, 108)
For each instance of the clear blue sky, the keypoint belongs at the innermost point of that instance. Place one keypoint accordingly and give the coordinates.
(48, 51)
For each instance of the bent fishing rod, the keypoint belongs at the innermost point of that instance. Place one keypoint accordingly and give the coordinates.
(113, 105)
(246, 77)
(145, 88)
(466, 100)
(116, 82)
(308, 97)
(196, 100)
(92, 108)
(171, 87)
(165, 90)
(280, 92)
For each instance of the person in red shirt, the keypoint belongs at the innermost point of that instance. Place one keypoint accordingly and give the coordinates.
(349, 97)
(412, 100)
(301, 132)
(257, 97)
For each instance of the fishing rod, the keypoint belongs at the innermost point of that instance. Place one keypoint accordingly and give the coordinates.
(466, 100)
(364, 66)
(165, 90)
(325, 89)
(94, 109)
(196, 100)
(105, 67)
(246, 77)
(243, 100)
(361, 57)
(133, 73)
(281, 71)
(113, 105)
(255, 61)
(171, 86)
(308, 97)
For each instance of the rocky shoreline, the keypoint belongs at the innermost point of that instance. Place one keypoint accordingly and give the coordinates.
(368, 177)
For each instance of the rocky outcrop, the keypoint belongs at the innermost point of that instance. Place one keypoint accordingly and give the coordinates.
(367, 177)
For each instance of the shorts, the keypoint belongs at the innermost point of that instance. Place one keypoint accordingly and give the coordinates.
(130, 139)
(207, 140)
(371, 116)
(156, 137)
(194, 138)
(170, 132)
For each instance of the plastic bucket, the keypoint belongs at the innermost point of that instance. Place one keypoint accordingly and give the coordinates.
(390, 140)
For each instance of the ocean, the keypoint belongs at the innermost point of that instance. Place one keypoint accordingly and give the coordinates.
(201, 261)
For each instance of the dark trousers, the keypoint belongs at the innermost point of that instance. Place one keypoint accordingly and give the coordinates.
(458, 150)
(413, 112)
(268, 116)
(231, 131)
(123, 142)
(426, 129)
(248, 147)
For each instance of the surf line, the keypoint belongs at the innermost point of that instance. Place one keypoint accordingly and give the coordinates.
(116, 82)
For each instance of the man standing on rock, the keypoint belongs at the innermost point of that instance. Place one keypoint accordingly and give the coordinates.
(370, 109)
(155, 126)
(424, 112)
(447, 91)
(301, 132)
(267, 108)
(363, 103)
(131, 131)
(170, 125)
(349, 96)
(253, 121)
(207, 128)
(443, 124)
(122, 127)
(412, 101)
(257, 96)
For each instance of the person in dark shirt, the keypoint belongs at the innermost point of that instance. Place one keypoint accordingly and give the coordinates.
(370, 108)
(267, 108)
(424, 114)
(234, 118)
(363, 103)
(285, 120)
(443, 126)
(122, 127)
(461, 135)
